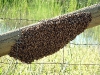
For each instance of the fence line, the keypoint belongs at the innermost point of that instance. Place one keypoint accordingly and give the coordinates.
(51, 63)
(18, 19)
(84, 44)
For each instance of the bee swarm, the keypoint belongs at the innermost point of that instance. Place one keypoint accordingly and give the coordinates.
(49, 36)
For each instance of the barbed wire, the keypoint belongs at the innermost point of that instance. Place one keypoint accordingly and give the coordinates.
(52, 63)
(83, 44)
(18, 19)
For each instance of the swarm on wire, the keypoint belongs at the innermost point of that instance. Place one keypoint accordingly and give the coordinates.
(49, 36)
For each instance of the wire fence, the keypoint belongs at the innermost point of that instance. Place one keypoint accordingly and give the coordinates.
(74, 59)
(63, 55)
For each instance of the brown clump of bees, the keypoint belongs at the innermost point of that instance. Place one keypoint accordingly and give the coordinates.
(49, 36)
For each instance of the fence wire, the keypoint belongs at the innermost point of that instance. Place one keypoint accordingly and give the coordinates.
(79, 57)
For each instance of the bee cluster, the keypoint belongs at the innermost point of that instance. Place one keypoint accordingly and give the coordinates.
(49, 36)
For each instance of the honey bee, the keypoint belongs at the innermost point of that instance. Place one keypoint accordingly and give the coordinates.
(49, 37)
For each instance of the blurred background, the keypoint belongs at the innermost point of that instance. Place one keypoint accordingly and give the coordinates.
(80, 57)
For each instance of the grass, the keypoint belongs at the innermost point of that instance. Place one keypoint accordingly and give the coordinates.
(76, 60)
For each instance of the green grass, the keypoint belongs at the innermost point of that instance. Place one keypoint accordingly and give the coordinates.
(37, 10)
(74, 56)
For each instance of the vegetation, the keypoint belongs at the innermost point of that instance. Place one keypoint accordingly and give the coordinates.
(71, 60)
